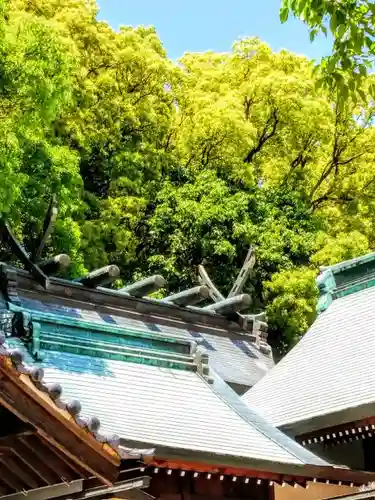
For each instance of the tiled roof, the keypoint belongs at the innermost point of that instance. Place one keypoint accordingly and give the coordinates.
(161, 392)
(169, 398)
(162, 407)
(325, 379)
(236, 360)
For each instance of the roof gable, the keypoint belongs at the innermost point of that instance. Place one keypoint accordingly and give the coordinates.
(223, 314)
(165, 388)
(186, 410)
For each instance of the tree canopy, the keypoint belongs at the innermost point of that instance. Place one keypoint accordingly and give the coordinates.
(160, 166)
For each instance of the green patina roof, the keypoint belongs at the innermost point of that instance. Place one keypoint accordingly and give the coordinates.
(345, 278)
(326, 379)
(43, 331)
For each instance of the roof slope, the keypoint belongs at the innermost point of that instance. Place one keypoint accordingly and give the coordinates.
(163, 388)
(164, 406)
(43, 439)
(324, 379)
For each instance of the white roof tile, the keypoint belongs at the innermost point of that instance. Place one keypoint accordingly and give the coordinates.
(160, 406)
(329, 370)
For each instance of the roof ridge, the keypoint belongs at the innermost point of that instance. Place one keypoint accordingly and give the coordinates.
(222, 314)
(73, 407)
(228, 396)
(349, 263)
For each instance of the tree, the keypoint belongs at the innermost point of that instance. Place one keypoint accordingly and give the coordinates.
(37, 68)
(351, 23)
(291, 296)
(265, 158)
(159, 166)
(114, 127)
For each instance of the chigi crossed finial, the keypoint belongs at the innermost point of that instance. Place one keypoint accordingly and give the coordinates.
(41, 269)
(231, 306)
(236, 301)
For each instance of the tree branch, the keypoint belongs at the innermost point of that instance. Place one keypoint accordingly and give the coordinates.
(267, 133)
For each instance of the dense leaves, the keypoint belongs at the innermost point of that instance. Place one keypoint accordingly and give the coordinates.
(351, 23)
(159, 166)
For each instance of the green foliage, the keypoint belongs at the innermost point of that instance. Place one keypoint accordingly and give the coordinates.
(291, 296)
(342, 246)
(159, 166)
(351, 24)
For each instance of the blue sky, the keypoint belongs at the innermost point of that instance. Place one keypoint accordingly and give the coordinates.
(200, 25)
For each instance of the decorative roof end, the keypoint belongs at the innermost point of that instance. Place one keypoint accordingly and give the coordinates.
(326, 284)
(344, 279)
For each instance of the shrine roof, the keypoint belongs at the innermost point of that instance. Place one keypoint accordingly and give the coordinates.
(160, 393)
(233, 355)
(243, 333)
(236, 353)
(325, 379)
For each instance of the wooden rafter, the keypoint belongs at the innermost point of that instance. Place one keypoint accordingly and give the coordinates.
(54, 448)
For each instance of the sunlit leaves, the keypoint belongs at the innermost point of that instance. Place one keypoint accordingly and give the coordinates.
(159, 166)
(351, 24)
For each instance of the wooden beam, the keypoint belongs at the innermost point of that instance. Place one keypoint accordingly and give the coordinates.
(11, 438)
(55, 426)
(204, 279)
(80, 471)
(108, 301)
(8, 478)
(113, 491)
(133, 495)
(6, 234)
(47, 229)
(55, 264)
(11, 464)
(229, 307)
(189, 297)
(60, 470)
(243, 274)
(30, 458)
(100, 277)
(47, 492)
(145, 286)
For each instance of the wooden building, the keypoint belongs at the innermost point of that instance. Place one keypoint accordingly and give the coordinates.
(47, 451)
(323, 391)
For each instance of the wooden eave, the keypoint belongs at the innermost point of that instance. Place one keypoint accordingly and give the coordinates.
(54, 447)
(272, 472)
(130, 482)
(324, 421)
